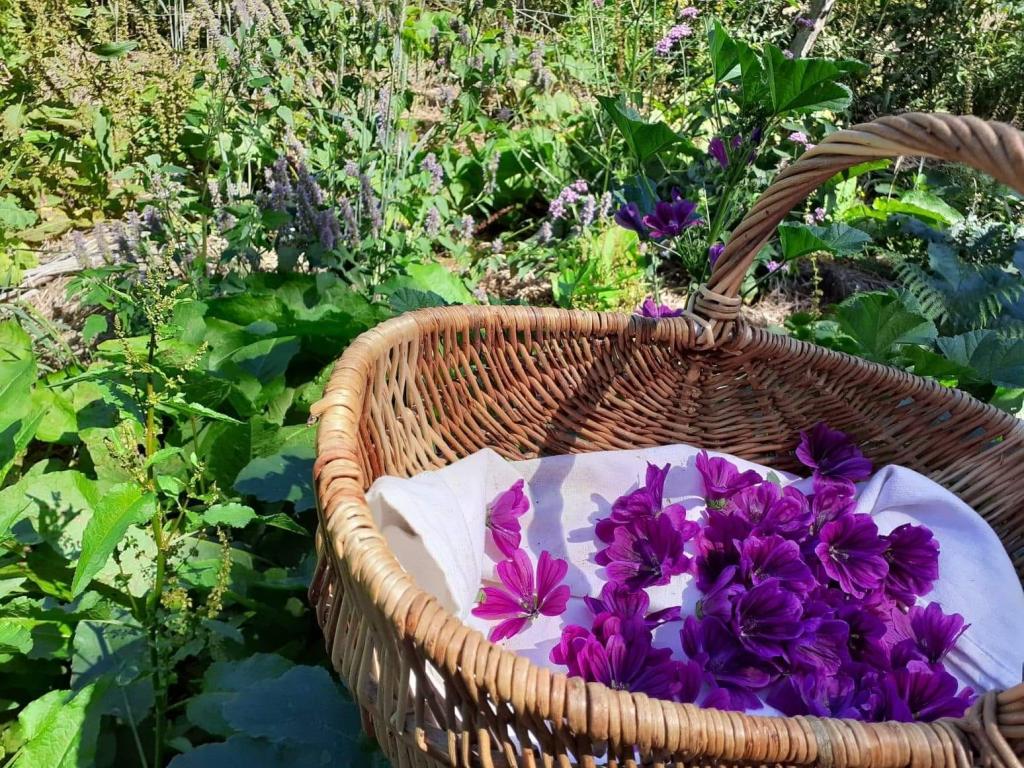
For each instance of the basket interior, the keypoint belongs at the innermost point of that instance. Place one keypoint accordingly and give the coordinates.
(446, 392)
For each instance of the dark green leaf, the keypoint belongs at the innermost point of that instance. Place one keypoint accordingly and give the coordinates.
(880, 325)
(114, 50)
(644, 139)
(992, 357)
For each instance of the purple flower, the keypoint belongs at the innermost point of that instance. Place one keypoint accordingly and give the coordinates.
(798, 137)
(664, 46)
(431, 166)
(803, 21)
(717, 545)
(719, 598)
(648, 552)
(523, 599)
(721, 478)
(770, 509)
(767, 617)
(503, 518)
(831, 453)
(822, 648)
(629, 217)
(774, 557)
(650, 308)
(920, 692)
(714, 252)
(671, 218)
(866, 639)
(831, 501)
(726, 663)
(773, 265)
(913, 557)
(934, 632)
(716, 148)
(850, 551)
(623, 661)
(645, 501)
(689, 12)
(818, 695)
(625, 604)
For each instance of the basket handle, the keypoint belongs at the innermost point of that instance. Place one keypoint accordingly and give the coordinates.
(995, 148)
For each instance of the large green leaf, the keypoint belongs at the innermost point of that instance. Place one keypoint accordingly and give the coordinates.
(59, 730)
(805, 85)
(991, 356)
(284, 476)
(114, 649)
(245, 752)
(644, 139)
(233, 515)
(34, 628)
(840, 239)
(13, 217)
(310, 709)
(880, 325)
(724, 52)
(223, 681)
(266, 359)
(52, 507)
(121, 506)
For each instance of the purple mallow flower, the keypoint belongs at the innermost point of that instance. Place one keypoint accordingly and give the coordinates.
(646, 502)
(671, 218)
(714, 252)
(920, 692)
(721, 478)
(913, 556)
(503, 518)
(523, 598)
(773, 557)
(717, 149)
(646, 553)
(766, 618)
(850, 551)
(934, 633)
(630, 217)
(651, 308)
(727, 665)
(620, 602)
(831, 453)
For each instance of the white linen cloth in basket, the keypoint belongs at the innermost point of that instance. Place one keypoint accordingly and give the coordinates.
(435, 524)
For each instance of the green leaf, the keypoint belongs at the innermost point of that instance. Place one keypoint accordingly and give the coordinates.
(223, 681)
(115, 649)
(284, 522)
(990, 356)
(233, 515)
(13, 217)
(723, 51)
(121, 506)
(53, 507)
(179, 406)
(406, 299)
(880, 325)
(804, 85)
(267, 358)
(115, 49)
(59, 730)
(644, 139)
(246, 752)
(840, 239)
(431, 278)
(94, 326)
(284, 476)
(33, 628)
(310, 709)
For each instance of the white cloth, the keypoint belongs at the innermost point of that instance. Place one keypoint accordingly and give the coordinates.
(436, 525)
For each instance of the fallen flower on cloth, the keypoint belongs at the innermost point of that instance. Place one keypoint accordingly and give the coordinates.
(523, 598)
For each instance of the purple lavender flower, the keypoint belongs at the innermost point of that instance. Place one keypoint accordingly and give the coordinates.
(645, 502)
(348, 215)
(689, 12)
(467, 227)
(665, 45)
(714, 252)
(831, 453)
(503, 518)
(431, 166)
(671, 218)
(773, 557)
(767, 617)
(773, 265)
(629, 217)
(850, 551)
(648, 552)
(913, 556)
(432, 224)
(722, 480)
(625, 604)
(371, 204)
(650, 308)
(522, 598)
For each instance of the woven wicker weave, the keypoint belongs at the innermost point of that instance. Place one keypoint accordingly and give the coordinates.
(428, 388)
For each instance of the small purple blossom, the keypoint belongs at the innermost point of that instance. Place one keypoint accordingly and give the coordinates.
(689, 12)
(665, 45)
(850, 551)
(831, 453)
(717, 150)
(503, 518)
(645, 502)
(935, 632)
(714, 252)
(650, 308)
(647, 553)
(523, 598)
(774, 266)
(913, 557)
(431, 166)
(721, 478)
(726, 663)
(921, 693)
(671, 218)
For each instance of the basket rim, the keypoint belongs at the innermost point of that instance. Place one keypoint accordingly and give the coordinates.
(417, 616)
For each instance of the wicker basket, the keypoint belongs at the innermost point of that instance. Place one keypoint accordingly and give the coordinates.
(430, 387)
